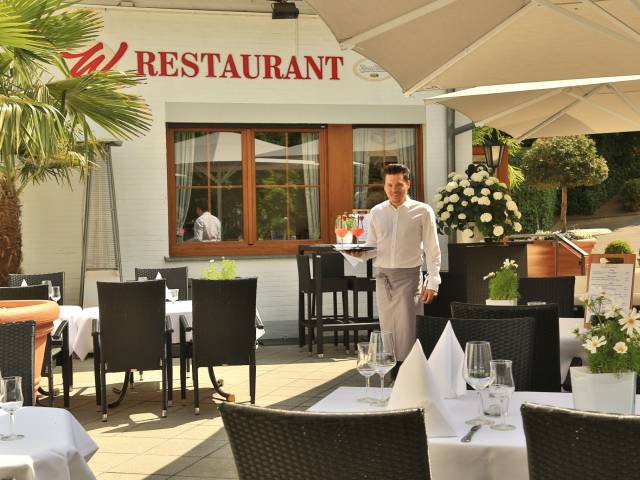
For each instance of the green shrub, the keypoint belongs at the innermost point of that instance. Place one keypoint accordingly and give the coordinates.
(630, 195)
(226, 271)
(585, 200)
(622, 151)
(618, 246)
(503, 284)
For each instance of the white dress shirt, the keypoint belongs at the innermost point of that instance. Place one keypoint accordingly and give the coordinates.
(402, 235)
(207, 228)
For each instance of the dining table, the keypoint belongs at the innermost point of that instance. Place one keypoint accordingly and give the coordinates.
(491, 454)
(54, 447)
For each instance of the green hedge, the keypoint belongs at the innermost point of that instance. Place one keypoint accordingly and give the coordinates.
(630, 195)
(584, 200)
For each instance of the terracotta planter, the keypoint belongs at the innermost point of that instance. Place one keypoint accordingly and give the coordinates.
(541, 258)
(43, 312)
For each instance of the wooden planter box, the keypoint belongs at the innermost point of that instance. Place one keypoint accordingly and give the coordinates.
(541, 258)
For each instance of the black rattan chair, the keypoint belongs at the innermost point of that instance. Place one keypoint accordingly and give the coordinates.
(269, 444)
(17, 351)
(224, 332)
(57, 349)
(175, 278)
(546, 346)
(550, 290)
(511, 339)
(575, 445)
(132, 334)
(56, 278)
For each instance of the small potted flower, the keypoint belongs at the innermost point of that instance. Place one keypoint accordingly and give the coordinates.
(224, 270)
(503, 285)
(612, 340)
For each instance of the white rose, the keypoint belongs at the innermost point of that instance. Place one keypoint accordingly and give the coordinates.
(484, 174)
(449, 208)
(476, 177)
(517, 227)
(498, 231)
(462, 216)
(465, 183)
(445, 216)
(497, 195)
(464, 203)
(503, 185)
(511, 205)
(446, 199)
(451, 186)
(451, 175)
(437, 197)
(486, 217)
(489, 181)
(518, 214)
(485, 191)
(469, 191)
(484, 201)
(507, 197)
(474, 199)
(467, 233)
(454, 198)
(439, 205)
(457, 177)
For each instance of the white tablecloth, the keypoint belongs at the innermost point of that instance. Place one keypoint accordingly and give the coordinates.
(172, 310)
(570, 346)
(72, 314)
(491, 455)
(55, 446)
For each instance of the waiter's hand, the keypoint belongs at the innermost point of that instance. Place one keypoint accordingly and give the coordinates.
(428, 295)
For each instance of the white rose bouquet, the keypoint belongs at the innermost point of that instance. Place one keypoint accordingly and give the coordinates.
(480, 201)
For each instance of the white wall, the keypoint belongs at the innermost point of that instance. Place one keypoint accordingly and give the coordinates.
(53, 216)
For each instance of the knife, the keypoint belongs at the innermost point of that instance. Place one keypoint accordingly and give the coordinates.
(472, 430)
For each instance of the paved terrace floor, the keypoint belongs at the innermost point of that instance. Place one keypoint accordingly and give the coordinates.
(135, 443)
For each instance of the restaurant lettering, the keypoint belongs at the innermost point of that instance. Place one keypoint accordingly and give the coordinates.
(210, 64)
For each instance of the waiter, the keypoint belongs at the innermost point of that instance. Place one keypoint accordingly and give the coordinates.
(402, 230)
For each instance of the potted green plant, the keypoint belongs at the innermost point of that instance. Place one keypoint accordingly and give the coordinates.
(618, 246)
(612, 340)
(224, 270)
(503, 285)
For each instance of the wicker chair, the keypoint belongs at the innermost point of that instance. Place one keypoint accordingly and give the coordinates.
(575, 445)
(224, 332)
(132, 334)
(56, 278)
(511, 339)
(550, 290)
(546, 346)
(269, 444)
(17, 355)
(175, 278)
(57, 350)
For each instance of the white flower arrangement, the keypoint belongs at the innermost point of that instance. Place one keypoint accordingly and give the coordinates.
(479, 201)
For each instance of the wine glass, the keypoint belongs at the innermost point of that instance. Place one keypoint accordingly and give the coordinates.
(477, 373)
(48, 284)
(55, 293)
(501, 390)
(358, 230)
(365, 368)
(383, 356)
(341, 229)
(174, 293)
(11, 402)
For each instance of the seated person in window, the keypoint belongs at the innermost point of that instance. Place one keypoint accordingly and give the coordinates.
(207, 227)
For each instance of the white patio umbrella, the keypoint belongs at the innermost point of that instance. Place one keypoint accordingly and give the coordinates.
(547, 109)
(465, 43)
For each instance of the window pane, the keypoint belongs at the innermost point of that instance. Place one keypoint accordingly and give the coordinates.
(270, 157)
(271, 209)
(211, 163)
(304, 205)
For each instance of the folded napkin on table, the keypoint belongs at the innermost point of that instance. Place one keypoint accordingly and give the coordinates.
(353, 261)
(24, 283)
(167, 293)
(416, 387)
(446, 362)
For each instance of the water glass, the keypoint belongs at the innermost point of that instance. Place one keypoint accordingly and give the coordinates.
(55, 293)
(49, 285)
(365, 368)
(477, 373)
(174, 293)
(383, 356)
(501, 390)
(11, 401)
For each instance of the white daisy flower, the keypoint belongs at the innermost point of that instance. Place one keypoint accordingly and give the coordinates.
(462, 216)
(509, 263)
(454, 198)
(630, 322)
(497, 195)
(517, 227)
(592, 343)
(489, 275)
(486, 217)
(469, 192)
(498, 231)
(620, 347)
(612, 310)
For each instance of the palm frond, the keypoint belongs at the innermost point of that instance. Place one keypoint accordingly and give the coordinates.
(15, 33)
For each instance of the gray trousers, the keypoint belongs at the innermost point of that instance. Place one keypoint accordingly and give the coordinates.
(398, 294)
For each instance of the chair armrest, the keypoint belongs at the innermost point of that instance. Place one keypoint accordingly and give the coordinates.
(59, 332)
(167, 324)
(95, 327)
(184, 325)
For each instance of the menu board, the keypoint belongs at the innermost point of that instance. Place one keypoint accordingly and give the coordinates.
(613, 280)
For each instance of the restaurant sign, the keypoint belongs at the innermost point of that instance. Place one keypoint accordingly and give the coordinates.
(208, 64)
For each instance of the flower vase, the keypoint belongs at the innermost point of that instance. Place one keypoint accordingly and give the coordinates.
(477, 236)
(603, 392)
(503, 303)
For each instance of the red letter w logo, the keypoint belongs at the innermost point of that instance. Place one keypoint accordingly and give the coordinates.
(88, 63)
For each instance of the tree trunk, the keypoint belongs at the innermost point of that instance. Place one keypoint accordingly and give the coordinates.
(10, 231)
(563, 210)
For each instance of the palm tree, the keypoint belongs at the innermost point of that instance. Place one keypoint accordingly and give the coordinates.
(45, 112)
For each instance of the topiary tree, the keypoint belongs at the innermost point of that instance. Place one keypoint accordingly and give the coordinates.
(564, 162)
(618, 246)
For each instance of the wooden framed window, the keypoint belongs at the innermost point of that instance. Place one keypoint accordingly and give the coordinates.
(245, 191)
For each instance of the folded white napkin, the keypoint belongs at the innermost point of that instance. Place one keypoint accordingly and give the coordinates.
(416, 387)
(24, 283)
(167, 293)
(446, 362)
(353, 261)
